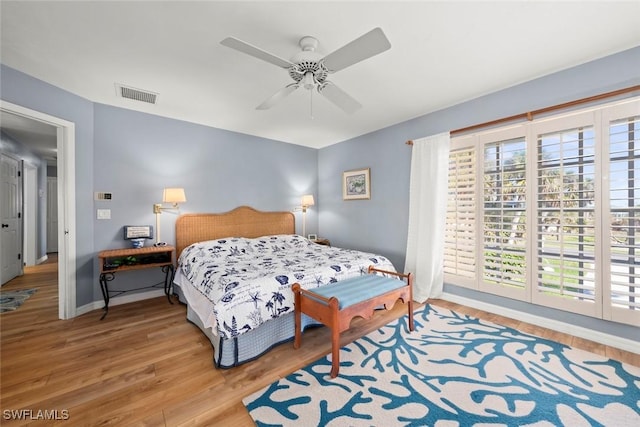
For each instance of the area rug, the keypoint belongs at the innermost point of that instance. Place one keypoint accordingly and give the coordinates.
(453, 370)
(11, 300)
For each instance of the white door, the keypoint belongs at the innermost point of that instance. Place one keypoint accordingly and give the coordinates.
(52, 214)
(10, 242)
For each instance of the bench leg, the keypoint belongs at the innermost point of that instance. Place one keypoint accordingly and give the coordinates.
(410, 301)
(410, 304)
(298, 336)
(297, 316)
(335, 352)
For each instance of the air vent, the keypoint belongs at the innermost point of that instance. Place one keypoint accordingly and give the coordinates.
(136, 94)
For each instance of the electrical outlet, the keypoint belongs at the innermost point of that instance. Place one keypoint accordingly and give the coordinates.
(104, 213)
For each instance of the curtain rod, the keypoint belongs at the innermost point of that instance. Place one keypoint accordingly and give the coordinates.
(529, 115)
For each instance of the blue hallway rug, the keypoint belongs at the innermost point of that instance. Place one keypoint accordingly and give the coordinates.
(11, 300)
(453, 370)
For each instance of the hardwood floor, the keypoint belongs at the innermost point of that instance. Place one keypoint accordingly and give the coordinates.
(144, 364)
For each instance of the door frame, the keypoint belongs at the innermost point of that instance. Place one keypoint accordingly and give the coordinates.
(66, 204)
(29, 213)
(50, 246)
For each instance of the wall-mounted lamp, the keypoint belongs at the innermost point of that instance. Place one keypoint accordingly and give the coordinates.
(307, 200)
(169, 195)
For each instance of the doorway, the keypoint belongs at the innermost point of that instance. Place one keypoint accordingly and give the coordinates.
(65, 144)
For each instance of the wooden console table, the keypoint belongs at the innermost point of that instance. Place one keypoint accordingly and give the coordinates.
(117, 260)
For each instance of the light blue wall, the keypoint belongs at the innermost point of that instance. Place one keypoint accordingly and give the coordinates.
(136, 155)
(380, 224)
(377, 225)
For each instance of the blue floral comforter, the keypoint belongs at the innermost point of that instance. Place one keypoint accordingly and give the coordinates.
(249, 280)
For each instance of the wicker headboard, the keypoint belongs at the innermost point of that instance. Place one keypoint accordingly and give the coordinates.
(240, 222)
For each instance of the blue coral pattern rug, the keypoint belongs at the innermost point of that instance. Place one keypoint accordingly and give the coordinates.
(453, 370)
(11, 300)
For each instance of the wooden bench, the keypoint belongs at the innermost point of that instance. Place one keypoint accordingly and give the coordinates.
(336, 304)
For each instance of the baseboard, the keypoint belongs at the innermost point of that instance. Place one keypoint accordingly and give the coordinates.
(36, 262)
(578, 331)
(123, 299)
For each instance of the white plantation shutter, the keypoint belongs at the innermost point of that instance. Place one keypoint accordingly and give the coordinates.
(623, 270)
(504, 214)
(565, 214)
(460, 231)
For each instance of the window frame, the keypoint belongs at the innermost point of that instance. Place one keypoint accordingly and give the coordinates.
(599, 118)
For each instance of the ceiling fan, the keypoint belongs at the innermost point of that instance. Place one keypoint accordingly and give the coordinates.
(309, 69)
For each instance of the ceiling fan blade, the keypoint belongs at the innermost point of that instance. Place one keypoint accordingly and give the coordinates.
(339, 97)
(256, 52)
(276, 97)
(365, 46)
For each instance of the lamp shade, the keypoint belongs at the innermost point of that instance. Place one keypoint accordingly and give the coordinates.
(174, 195)
(307, 200)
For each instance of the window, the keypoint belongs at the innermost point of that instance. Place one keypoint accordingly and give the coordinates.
(556, 220)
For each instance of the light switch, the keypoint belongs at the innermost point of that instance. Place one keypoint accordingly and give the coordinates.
(104, 213)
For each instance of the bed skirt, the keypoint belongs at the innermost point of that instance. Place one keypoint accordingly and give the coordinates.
(228, 353)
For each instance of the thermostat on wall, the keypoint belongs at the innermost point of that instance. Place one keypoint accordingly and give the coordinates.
(101, 195)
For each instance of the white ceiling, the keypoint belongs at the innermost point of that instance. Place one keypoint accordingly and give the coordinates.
(40, 137)
(442, 53)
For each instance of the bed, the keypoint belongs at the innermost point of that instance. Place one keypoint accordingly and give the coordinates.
(235, 272)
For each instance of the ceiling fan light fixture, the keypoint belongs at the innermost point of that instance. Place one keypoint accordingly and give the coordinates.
(308, 81)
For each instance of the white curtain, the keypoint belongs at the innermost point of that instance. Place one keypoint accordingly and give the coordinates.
(427, 214)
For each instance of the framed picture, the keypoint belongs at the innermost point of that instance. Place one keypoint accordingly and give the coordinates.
(313, 237)
(356, 184)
